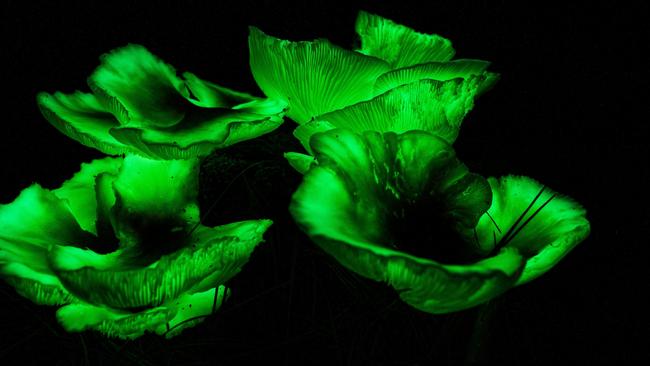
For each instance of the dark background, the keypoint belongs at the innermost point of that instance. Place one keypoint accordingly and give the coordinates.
(570, 111)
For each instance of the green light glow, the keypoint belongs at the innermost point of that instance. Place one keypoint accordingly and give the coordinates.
(313, 77)
(140, 105)
(399, 45)
(440, 71)
(373, 200)
(317, 77)
(554, 231)
(300, 162)
(169, 320)
(434, 106)
(121, 246)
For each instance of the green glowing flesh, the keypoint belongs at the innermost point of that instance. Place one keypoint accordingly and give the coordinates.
(120, 246)
(46, 290)
(440, 71)
(357, 202)
(26, 242)
(137, 86)
(163, 257)
(209, 257)
(312, 77)
(547, 237)
(386, 171)
(80, 191)
(316, 77)
(141, 106)
(426, 285)
(82, 117)
(211, 95)
(304, 132)
(437, 107)
(168, 319)
(300, 162)
(28, 232)
(399, 45)
(167, 205)
(205, 130)
(347, 202)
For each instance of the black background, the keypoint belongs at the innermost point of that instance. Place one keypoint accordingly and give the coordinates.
(570, 111)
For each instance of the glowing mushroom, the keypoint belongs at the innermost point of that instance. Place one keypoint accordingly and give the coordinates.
(401, 208)
(140, 105)
(317, 77)
(121, 247)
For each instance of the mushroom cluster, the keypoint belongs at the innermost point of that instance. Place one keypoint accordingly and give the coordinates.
(383, 191)
(121, 248)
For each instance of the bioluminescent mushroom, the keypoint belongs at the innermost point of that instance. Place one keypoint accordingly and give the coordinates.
(437, 107)
(121, 249)
(140, 105)
(401, 208)
(317, 77)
